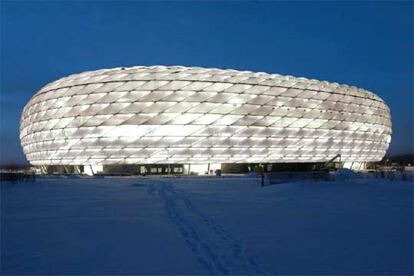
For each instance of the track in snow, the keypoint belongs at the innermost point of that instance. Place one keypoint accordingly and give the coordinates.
(214, 247)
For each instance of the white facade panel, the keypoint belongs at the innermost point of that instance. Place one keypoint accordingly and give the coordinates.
(195, 115)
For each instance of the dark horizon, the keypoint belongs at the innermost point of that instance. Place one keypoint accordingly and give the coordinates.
(366, 44)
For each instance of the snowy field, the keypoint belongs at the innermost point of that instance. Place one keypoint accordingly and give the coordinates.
(201, 225)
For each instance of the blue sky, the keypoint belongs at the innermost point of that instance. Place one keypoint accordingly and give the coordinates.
(367, 44)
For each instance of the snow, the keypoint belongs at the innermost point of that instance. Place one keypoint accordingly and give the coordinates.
(345, 174)
(206, 225)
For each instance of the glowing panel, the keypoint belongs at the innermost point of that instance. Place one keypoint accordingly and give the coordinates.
(177, 114)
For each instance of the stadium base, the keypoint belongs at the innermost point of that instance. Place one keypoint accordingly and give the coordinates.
(193, 169)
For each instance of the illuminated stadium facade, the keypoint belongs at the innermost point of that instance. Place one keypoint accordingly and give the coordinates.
(203, 117)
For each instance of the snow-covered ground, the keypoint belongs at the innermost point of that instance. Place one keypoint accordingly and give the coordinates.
(202, 225)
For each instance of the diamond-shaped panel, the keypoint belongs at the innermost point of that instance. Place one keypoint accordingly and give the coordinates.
(178, 114)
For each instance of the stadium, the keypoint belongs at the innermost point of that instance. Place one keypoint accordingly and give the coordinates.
(175, 119)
